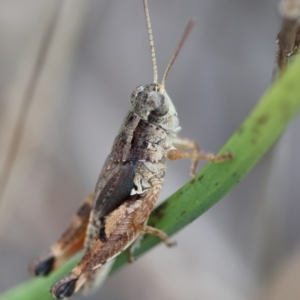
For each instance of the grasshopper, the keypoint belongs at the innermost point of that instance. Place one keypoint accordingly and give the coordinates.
(115, 216)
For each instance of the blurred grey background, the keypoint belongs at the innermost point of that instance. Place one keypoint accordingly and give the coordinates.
(247, 246)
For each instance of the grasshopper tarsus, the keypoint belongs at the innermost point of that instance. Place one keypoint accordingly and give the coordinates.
(64, 288)
(42, 266)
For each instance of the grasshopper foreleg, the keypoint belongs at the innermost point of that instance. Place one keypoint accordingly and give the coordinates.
(195, 155)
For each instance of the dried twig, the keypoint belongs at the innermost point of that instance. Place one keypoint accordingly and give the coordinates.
(288, 38)
(27, 100)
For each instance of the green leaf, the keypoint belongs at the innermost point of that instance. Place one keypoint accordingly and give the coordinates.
(248, 144)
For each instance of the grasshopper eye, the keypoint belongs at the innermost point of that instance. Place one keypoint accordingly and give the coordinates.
(139, 97)
(137, 92)
(157, 103)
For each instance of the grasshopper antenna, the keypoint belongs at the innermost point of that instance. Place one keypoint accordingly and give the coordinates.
(150, 35)
(186, 32)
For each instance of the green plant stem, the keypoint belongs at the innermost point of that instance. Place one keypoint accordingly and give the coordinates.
(248, 144)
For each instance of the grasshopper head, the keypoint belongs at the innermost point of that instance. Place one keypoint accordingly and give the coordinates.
(152, 103)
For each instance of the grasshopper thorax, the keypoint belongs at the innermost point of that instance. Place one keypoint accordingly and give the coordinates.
(152, 103)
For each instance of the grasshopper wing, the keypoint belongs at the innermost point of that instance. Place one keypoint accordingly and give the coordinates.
(113, 187)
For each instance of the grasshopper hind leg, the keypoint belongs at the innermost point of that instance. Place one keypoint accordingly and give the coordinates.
(69, 243)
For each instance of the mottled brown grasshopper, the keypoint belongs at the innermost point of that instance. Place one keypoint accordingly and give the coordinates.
(116, 214)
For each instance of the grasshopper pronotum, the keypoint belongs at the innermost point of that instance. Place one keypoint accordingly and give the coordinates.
(116, 214)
